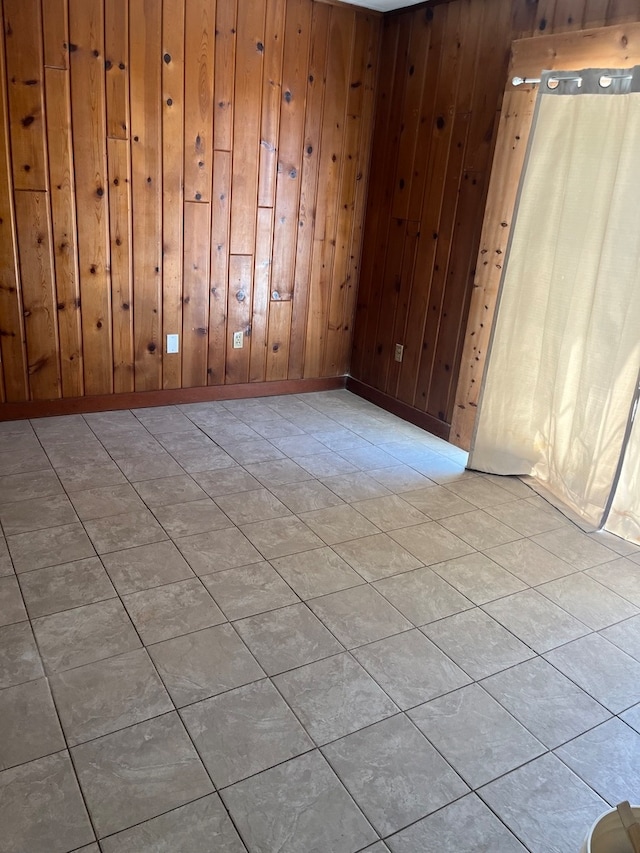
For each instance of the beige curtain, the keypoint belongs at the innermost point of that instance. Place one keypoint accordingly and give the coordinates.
(564, 359)
(624, 516)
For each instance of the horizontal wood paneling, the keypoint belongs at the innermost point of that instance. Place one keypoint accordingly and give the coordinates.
(442, 76)
(159, 162)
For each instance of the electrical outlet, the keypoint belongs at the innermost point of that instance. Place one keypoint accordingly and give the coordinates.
(237, 340)
(173, 343)
(399, 352)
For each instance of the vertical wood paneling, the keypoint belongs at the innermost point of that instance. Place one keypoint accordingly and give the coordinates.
(173, 23)
(25, 72)
(271, 94)
(225, 51)
(116, 66)
(309, 186)
(63, 211)
(195, 323)
(261, 293)
(193, 158)
(38, 293)
(219, 281)
(246, 125)
(199, 62)
(329, 173)
(144, 47)
(55, 15)
(86, 25)
(119, 166)
(292, 109)
(239, 316)
(12, 350)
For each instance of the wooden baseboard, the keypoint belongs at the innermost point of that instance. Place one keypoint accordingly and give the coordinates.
(172, 397)
(402, 410)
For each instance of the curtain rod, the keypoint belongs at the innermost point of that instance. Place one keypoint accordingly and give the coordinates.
(520, 81)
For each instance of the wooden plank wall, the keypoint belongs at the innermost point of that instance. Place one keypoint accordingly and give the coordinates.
(191, 167)
(442, 77)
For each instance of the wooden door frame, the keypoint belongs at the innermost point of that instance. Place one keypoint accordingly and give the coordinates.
(605, 47)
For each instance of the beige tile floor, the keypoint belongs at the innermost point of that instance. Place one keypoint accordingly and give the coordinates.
(298, 625)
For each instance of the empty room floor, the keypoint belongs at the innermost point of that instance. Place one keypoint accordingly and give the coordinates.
(298, 625)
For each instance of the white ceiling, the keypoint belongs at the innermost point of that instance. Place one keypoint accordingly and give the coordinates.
(385, 5)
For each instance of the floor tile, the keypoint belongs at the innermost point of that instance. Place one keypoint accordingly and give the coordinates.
(198, 827)
(479, 578)
(6, 566)
(410, 668)
(287, 638)
(138, 773)
(297, 807)
(77, 477)
(399, 478)
(338, 524)
(185, 519)
(149, 466)
(390, 513)
(334, 697)
(281, 537)
(169, 490)
(393, 773)
(479, 529)
(49, 547)
(127, 530)
(367, 458)
(275, 429)
(356, 487)
(601, 669)
(35, 514)
(11, 603)
(257, 505)
(248, 590)
(437, 502)
(359, 615)
(632, 717)
(342, 439)
(146, 566)
(244, 731)
(19, 658)
(204, 663)
(306, 496)
(422, 596)
(317, 572)
(218, 550)
(325, 465)
(59, 588)
(526, 517)
(537, 621)
(626, 636)
(376, 556)
(83, 635)
(606, 758)
(168, 611)
(226, 481)
(621, 576)
(466, 826)
(431, 543)
(480, 492)
(587, 600)
(551, 706)
(29, 486)
(498, 743)
(477, 643)
(574, 547)
(23, 459)
(41, 809)
(545, 805)
(299, 445)
(253, 450)
(102, 697)
(105, 501)
(530, 562)
(30, 727)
